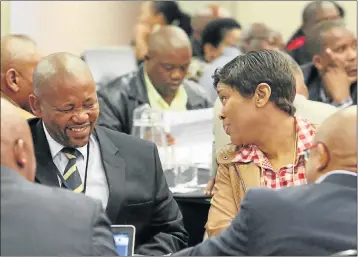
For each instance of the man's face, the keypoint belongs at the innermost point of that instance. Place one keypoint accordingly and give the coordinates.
(232, 38)
(168, 69)
(238, 115)
(343, 44)
(69, 109)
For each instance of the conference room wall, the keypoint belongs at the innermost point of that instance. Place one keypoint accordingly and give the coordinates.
(73, 26)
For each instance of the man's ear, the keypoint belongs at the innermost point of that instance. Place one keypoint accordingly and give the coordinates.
(323, 157)
(318, 62)
(35, 106)
(12, 80)
(262, 94)
(20, 153)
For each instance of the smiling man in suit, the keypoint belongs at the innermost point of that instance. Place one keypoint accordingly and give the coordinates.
(123, 172)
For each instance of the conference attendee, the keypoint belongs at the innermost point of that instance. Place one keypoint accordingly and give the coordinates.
(259, 36)
(123, 172)
(37, 220)
(200, 19)
(19, 56)
(268, 141)
(332, 75)
(159, 82)
(314, 112)
(219, 41)
(155, 14)
(313, 13)
(318, 219)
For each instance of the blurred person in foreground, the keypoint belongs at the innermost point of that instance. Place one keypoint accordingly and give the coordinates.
(313, 13)
(331, 77)
(19, 57)
(318, 219)
(74, 153)
(257, 91)
(39, 220)
(159, 82)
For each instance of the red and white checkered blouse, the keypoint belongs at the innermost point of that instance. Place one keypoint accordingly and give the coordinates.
(285, 177)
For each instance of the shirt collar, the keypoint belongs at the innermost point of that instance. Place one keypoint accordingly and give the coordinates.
(305, 133)
(344, 172)
(231, 51)
(56, 147)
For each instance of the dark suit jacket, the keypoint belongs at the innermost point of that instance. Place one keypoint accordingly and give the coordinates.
(121, 97)
(39, 220)
(314, 83)
(138, 192)
(316, 219)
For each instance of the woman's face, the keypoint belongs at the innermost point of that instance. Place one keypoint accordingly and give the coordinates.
(238, 115)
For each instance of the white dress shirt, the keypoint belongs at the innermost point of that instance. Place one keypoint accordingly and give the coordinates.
(96, 184)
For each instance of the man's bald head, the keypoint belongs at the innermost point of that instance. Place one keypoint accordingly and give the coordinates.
(169, 56)
(19, 56)
(17, 151)
(336, 143)
(166, 39)
(59, 66)
(16, 49)
(65, 99)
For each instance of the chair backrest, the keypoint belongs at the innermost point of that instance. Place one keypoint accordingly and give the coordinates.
(108, 63)
(346, 253)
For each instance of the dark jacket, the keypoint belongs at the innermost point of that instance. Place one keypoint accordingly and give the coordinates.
(138, 191)
(297, 49)
(122, 96)
(37, 220)
(315, 219)
(315, 87)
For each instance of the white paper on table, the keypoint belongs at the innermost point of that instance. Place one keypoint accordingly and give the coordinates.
(193, 133)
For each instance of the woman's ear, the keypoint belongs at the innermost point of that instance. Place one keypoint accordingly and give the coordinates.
(262, 94)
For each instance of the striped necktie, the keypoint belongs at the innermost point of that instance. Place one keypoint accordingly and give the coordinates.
(71, 174)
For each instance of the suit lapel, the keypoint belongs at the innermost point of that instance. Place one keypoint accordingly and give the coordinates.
(45, 171)
(114, 166)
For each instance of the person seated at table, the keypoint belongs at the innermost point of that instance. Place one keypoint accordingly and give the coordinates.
(257, 91)
(219, 45)
(313, 13)
(123, 172)
(37, 220)
(19, 57)
(332, 75)
(159, 82)
(318, 219)
(314, 112)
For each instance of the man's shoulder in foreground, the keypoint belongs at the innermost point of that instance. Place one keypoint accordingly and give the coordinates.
(77, 223)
